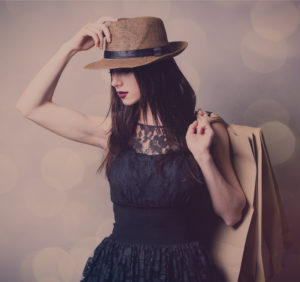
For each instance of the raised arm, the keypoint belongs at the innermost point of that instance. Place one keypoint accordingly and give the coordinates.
(36, 103)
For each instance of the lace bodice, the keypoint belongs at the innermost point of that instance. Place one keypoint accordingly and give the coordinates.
(135, 179)
(150, 140)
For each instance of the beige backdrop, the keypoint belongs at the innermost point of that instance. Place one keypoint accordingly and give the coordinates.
(243, 63)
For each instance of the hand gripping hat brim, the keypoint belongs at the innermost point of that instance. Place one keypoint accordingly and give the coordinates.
(136, 42)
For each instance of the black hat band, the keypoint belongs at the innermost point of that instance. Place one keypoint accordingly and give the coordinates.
(156, 51)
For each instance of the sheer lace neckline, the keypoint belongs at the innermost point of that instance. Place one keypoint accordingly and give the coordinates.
(143, 124)
(149, 140)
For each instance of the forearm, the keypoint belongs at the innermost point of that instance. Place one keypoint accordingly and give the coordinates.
(42, 86)
(226, 199)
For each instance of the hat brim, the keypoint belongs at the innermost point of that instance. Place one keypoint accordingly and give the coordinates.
(176, 48)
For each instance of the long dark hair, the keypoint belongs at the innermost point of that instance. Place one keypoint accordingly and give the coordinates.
(170, 97)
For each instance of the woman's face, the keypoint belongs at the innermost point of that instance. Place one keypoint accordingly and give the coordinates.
(123, 80)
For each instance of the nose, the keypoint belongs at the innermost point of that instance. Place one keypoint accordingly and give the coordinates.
(115, 80)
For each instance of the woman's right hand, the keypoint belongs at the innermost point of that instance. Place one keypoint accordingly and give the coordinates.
(92, 34)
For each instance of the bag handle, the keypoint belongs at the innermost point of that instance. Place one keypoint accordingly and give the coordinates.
(212, 117)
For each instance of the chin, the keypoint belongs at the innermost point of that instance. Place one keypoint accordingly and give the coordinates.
(129, 103)
(126, 103)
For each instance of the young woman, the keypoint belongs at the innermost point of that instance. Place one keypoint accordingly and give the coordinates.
(162, 157)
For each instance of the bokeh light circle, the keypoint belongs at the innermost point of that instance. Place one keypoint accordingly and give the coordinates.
(62, 169)
(8, 174)
(280, 141)
(262, 55)
(44, 201)
(265, 109)
(53, 263)
(274, 20)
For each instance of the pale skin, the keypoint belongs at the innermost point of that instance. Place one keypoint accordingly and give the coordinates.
(36, 104)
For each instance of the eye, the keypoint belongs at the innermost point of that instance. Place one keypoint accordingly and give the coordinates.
(120, 71)
(123, 70)
(126, 70)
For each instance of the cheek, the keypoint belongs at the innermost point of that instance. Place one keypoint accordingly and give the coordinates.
(135, 85)
(132, 79)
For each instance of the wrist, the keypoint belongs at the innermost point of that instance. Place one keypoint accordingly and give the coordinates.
(203, 158)
(68, 49)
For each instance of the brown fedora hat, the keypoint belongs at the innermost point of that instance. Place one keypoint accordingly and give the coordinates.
(135, 42)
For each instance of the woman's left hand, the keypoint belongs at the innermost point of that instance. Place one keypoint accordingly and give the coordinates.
(199, 135)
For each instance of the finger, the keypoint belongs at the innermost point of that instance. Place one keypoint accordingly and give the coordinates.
(200, 129)
(106, 32)
(106, 18)
(203, 119)
(206, 121)
(93, 34)
(204, 130)
(99, 35)
(203, 126)
(112, 20)
(103, 30)
(200, 124)
(200, 113)
(192, 127)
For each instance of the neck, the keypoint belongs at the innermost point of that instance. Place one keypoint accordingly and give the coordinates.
(150, 120)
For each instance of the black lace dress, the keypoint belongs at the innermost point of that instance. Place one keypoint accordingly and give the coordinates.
(157, 232)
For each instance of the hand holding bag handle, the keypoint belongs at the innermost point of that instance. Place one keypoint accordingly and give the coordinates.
(253, 251)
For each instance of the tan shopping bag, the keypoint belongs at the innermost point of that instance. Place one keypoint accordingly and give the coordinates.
(252, 251)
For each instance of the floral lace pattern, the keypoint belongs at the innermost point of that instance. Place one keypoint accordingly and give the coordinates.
(116, 261)
(150, 140)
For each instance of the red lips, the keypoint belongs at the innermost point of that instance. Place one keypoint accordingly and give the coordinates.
(122, 94)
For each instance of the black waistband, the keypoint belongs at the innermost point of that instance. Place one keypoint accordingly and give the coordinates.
(152, 225)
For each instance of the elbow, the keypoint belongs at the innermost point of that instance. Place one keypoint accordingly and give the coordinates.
(233, 220)
(22, 112)
(19, 109)
(236, 215)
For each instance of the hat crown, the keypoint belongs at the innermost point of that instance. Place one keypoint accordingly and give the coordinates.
(137, 33)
